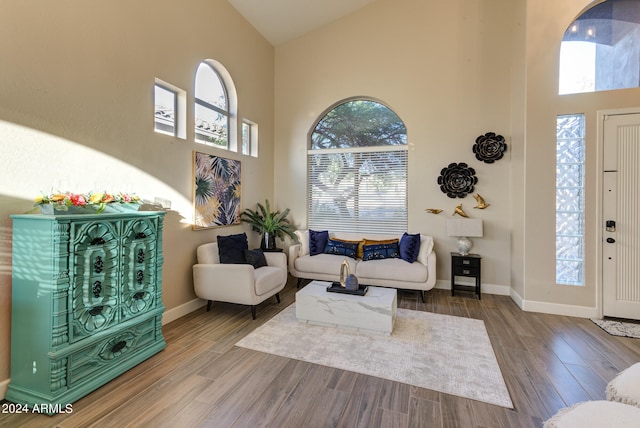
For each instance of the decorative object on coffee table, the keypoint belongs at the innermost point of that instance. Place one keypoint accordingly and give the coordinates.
(489, 147)
(335, 287)
(351, 282)
(348, 283)
(270, 224)
(457, 180)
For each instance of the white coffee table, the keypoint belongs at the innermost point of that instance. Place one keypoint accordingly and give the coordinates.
(373, 312)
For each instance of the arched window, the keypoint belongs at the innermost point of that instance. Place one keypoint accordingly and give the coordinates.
(357, 169)
(212, 112)
(601, 49)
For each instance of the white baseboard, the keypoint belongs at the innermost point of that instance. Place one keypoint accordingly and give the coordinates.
(4, 384)
(502, 290)
(560, 309)
(530, 305)
(517, 298)
(553, 308)
(182, 310)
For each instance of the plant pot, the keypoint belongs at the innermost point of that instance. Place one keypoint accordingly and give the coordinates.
(268, 241)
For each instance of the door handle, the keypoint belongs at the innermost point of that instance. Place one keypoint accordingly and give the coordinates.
(611, 240)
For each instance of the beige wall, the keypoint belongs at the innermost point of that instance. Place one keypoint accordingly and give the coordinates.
(76, 111)
(445, 69)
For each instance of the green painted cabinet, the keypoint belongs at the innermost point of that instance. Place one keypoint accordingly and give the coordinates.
(86, 302)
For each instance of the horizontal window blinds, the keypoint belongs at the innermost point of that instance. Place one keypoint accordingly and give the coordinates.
(358, 190)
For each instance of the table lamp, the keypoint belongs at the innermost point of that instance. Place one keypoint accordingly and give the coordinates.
(463, 229)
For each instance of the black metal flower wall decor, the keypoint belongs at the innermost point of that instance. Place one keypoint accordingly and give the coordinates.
(489, 147)
(457, 180)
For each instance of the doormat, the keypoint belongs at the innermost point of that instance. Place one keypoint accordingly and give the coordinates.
(438, 352)
(619, 328)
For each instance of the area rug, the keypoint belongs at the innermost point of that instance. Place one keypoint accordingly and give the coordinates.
(619, 328)
(444, 353)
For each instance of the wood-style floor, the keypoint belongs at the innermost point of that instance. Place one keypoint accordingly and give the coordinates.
(202, 380)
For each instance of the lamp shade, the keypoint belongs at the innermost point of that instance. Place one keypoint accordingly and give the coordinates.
(463, 229)
(470, 227)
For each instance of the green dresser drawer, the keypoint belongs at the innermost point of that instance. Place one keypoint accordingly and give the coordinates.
(104, 354)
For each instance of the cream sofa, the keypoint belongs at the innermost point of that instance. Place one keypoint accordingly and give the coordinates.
(392, 272)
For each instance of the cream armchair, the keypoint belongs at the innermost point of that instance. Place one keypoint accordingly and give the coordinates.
(237, 283)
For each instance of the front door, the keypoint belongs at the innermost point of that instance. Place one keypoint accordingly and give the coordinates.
(621, 217)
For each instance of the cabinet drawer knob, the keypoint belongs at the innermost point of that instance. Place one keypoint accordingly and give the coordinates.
(466, 271)
(98, 265)
(140, 256)
(466, 262)
(97, 289)
(119, 346)
(96, 310)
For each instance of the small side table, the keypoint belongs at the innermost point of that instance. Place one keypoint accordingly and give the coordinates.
(469, 266)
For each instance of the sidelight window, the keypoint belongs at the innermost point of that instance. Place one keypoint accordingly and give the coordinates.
(570, 148)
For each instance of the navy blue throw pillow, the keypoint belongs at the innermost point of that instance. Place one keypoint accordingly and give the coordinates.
(409, 247)
(255, 258)
(380, 251)
(317, 241)
(231, 248)
(341, 248)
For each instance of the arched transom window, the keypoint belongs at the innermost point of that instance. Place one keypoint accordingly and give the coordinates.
(211, 108)
(357, 169)
(600, 50)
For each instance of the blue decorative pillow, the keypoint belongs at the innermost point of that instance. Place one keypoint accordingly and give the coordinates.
(317, 241)
(255, 258)
(341, 248)
(380, 251)
(409, 247)
(231, 248)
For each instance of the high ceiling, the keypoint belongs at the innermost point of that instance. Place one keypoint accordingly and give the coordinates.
(283, 20)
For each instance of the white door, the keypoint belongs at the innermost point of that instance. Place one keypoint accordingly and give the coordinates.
(621, 217)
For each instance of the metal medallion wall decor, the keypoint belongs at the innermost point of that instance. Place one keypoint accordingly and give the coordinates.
(457, 180)
(489, 147)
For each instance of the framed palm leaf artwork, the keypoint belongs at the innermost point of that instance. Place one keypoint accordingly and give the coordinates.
(217, 191)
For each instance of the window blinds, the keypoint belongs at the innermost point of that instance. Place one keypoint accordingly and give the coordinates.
(358, 190)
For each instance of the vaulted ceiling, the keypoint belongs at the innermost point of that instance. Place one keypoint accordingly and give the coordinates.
(282, 20)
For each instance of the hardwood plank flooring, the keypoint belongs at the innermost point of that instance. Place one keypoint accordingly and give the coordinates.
(202, 380)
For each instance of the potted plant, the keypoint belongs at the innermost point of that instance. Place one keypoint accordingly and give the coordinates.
(269, 224)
